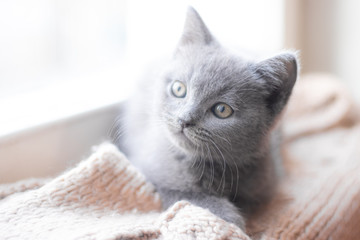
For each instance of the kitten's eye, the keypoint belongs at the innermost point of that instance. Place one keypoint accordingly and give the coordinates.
(178, 89)
(222, 110)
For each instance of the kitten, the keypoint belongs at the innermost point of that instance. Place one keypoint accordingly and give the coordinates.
(203, 130)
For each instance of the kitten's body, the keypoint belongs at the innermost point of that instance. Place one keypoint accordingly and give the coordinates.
(225, 165)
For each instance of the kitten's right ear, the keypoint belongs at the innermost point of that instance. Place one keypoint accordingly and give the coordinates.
(195, 30)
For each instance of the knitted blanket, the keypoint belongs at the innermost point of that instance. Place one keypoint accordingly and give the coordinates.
(105, 197)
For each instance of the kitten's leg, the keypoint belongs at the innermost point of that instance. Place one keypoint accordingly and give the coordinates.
(221, 207)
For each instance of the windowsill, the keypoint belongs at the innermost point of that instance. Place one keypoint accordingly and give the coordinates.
(46, 131)
(61, 101)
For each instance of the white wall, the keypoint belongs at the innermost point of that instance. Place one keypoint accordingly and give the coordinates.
(328, 34)
(154, 27)
(346, 43)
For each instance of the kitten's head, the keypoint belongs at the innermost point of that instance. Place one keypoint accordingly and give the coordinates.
(214, 101)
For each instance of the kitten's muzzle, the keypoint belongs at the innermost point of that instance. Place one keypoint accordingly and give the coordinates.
(184, 124)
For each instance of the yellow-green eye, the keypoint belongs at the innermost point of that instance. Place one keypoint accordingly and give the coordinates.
(178, 89)
(222, 110)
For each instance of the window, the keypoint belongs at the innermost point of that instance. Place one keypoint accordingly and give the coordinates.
(58, 58)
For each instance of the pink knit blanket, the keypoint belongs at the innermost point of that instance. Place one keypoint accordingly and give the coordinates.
(105, 197)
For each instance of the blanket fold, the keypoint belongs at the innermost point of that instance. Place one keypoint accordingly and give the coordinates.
(105, 197)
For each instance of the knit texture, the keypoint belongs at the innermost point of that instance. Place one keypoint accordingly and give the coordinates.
(105, 197)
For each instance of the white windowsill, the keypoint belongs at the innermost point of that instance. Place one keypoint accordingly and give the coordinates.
(46, 131)
(60, 101)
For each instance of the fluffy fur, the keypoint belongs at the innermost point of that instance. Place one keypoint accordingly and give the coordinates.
(226, 165)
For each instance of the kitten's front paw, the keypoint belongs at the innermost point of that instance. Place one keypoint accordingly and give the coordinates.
(238, 220)
(224, 209)
(231, 214)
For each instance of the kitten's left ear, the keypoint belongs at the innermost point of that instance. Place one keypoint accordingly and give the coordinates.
(279, 75)
(195, 30)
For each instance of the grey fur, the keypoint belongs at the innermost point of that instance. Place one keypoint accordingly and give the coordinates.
(225, 165)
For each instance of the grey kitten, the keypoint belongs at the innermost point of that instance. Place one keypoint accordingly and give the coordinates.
(203, 130)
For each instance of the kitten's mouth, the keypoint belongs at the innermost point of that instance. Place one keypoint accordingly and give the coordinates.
(182, 137)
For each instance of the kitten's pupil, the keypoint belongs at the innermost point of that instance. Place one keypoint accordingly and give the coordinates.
(221, 108)
(178, 89)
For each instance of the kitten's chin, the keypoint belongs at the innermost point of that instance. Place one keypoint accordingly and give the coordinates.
(182, 141)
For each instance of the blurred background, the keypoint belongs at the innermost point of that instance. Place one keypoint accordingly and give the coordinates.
(65, 65)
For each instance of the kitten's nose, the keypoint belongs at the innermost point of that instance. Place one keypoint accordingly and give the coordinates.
(184, 124)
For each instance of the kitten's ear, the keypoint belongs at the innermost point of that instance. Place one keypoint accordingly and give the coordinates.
(195, 30)
(279, 75)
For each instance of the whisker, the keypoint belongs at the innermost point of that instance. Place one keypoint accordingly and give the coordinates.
(203, 169)
(224, 167)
